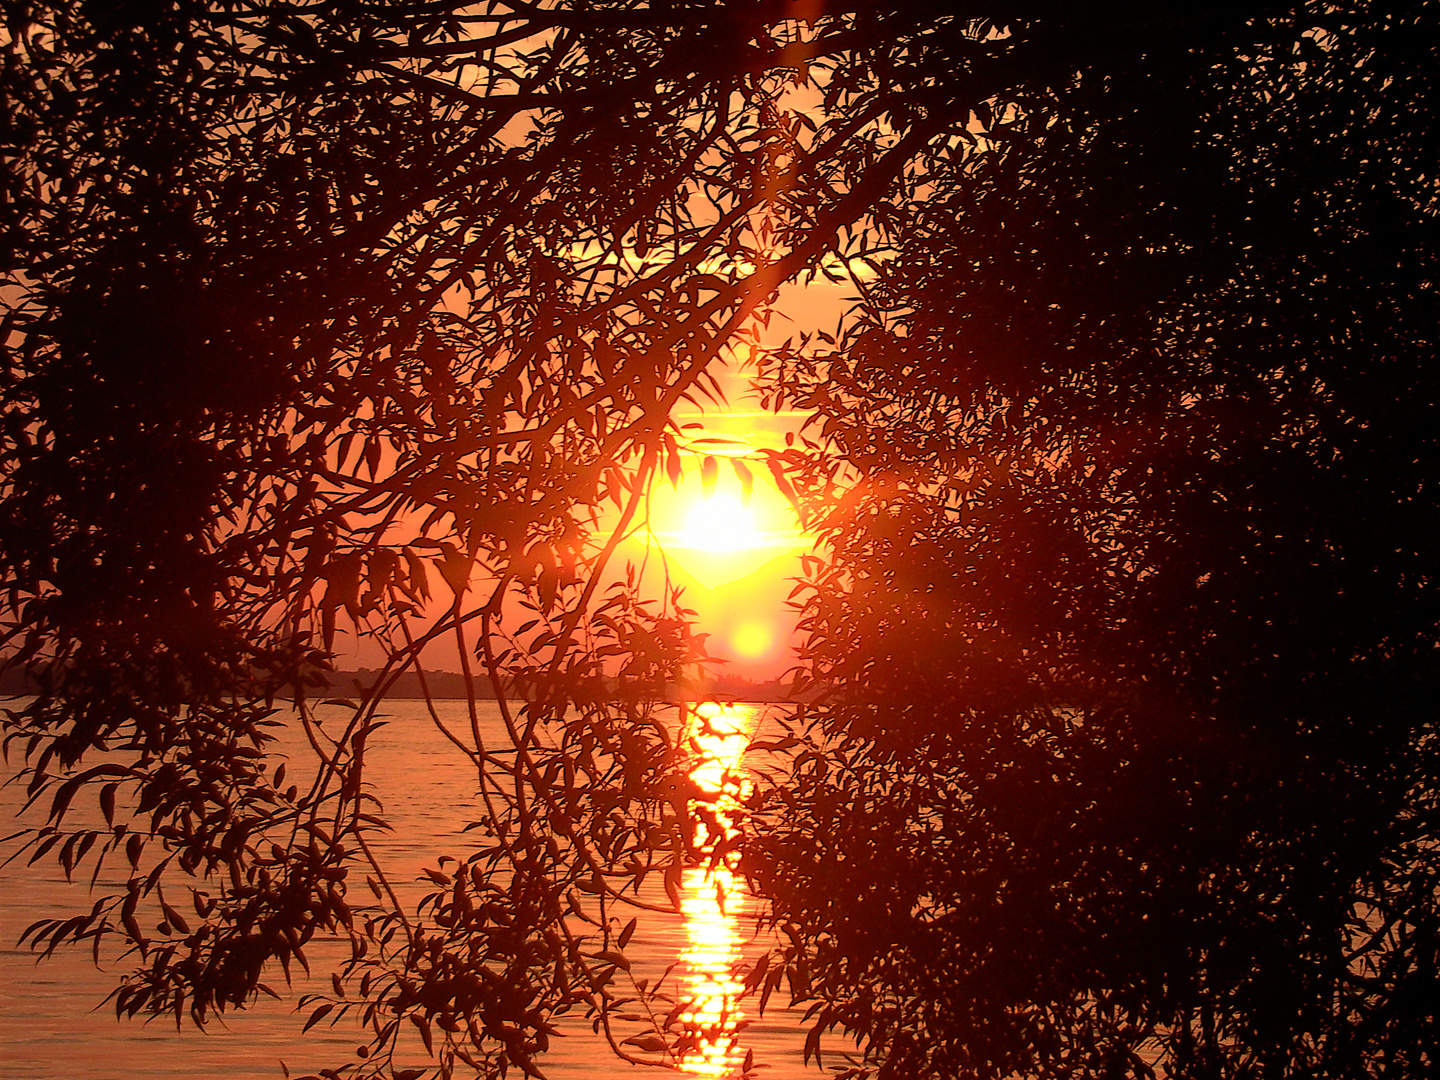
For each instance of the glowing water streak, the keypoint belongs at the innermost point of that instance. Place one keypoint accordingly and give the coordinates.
(713, 894)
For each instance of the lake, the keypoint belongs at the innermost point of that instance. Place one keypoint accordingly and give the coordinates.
(54, 1024)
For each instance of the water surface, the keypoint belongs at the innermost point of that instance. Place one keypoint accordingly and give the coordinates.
(54, 1024)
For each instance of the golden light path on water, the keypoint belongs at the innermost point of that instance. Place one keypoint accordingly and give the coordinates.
(713, 893)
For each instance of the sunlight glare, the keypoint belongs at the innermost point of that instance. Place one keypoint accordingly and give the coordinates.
(721, 534)
(752, 640)
(720, 523)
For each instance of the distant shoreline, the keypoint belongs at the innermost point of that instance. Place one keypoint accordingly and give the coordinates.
(450, 686)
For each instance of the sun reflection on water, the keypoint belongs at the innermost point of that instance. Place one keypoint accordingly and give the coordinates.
(713, 893)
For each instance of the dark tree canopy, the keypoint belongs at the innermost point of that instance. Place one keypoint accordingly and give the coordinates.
(356, 316)
(1131, 618)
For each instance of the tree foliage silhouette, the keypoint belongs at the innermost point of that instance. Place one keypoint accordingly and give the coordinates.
(1130, 623)
(354, 315)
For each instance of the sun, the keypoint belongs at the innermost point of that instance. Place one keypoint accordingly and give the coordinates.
(719, 532)
(720, 523)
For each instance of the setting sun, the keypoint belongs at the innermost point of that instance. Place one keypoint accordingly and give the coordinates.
(720, 535)
(720, 523)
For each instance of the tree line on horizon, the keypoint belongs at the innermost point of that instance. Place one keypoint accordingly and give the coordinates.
(1123, 632)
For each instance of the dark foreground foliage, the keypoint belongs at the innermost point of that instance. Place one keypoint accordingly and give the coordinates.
(1132, 620)
(353, 315)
